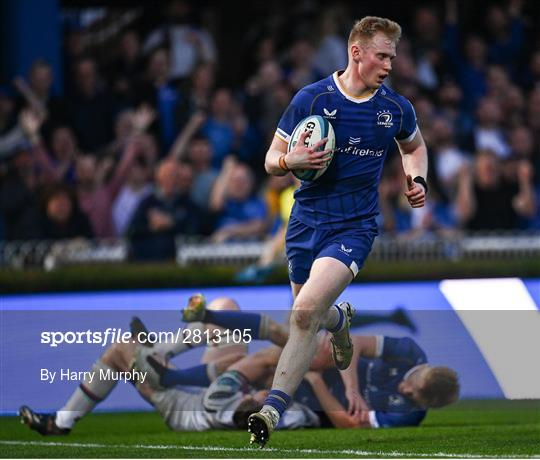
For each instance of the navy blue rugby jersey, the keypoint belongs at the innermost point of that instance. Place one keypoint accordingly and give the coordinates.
(379, 380)
(346, 195)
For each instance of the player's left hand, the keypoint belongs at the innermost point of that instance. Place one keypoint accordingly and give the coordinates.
(416, 194)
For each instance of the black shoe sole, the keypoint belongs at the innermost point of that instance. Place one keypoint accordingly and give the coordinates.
(44, 425)
(259, 430)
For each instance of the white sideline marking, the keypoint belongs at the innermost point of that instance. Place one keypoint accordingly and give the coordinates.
(252, 449)
(504, 321)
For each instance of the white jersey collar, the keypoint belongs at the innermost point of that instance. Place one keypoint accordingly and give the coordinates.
(357, 100)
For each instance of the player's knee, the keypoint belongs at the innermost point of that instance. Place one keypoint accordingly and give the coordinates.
(304, 319)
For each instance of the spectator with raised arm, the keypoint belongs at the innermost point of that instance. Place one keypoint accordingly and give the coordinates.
(242, 216)
(179, 149)
(37, 94)
(164, 214)
(58, 165)
(197, 150)
(158, 91)
(96, 194)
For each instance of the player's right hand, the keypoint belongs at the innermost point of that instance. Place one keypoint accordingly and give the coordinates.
(302, 157)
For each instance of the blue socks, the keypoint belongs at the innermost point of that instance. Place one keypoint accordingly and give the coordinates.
(340, 322)
(235, 320)
(195, 376)
(278, 400)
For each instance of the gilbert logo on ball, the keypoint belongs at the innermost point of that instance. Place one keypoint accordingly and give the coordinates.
(317, 128)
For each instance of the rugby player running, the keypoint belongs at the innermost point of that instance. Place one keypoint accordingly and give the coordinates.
(332, 224)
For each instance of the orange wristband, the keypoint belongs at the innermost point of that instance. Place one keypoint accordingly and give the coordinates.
(282, 163)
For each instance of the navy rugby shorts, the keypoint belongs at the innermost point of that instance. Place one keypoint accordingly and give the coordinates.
(304, 244)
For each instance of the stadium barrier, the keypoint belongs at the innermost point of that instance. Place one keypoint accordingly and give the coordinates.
(385, 248)
(50, 255)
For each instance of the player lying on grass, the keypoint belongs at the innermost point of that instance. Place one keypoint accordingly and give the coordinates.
(415, 385)
(225, 404)
(388, 384)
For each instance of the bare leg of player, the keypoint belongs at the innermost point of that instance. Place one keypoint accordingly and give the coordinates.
(327, 280)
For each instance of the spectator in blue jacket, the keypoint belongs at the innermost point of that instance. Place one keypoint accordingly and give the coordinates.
(242, 216)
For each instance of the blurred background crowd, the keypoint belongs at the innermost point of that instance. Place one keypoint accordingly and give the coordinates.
(160, 128)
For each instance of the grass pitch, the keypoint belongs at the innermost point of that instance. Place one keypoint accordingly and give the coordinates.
(470, 429)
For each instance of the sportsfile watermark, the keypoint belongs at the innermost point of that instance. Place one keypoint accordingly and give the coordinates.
(113, 335)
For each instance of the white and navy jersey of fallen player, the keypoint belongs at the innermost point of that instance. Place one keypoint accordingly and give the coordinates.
(346, 195)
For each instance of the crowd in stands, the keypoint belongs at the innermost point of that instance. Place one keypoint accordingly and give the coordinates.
(148, 143)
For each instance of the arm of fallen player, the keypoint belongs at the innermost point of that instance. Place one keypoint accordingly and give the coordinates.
(332, 407)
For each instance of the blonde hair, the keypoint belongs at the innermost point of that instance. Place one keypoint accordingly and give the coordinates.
(441, 387)
(367, 27)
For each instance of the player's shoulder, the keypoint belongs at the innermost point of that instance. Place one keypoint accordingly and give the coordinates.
(405, 347)
(313, 90)
(393, 95)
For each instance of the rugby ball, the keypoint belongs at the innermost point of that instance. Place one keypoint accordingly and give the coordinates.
(317, 128)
